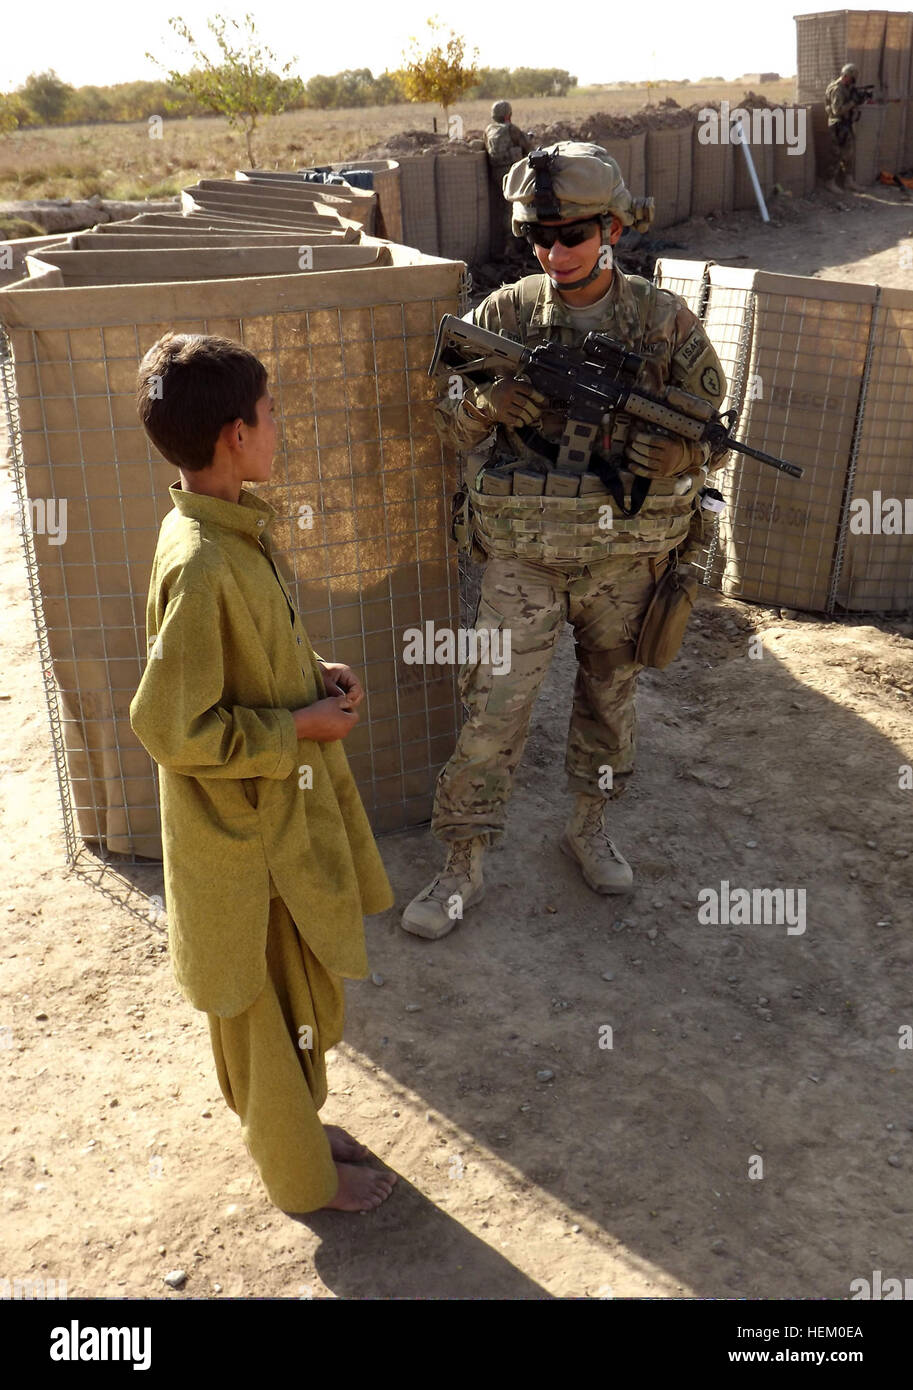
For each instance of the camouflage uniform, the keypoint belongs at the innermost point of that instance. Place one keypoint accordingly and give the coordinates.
(531, 583)
(505, 143)
(842, 112)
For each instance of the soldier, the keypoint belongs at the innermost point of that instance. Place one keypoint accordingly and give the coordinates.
(842, 101)
(505, 144)
(572, 212)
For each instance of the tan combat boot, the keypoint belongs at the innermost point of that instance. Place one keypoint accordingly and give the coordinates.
(851, 185)
(833, 186)
(429, 914)
(586, 840)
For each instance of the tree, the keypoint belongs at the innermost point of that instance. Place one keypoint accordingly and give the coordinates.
(242, 87)
(14, 113)
(46, 95)
(438, 74)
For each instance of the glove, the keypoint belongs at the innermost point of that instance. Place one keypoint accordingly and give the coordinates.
(658, 455)
(507, 402)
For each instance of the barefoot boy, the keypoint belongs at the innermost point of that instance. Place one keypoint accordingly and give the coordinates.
(270, 864)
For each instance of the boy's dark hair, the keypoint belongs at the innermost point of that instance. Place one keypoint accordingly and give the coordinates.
(188, 387)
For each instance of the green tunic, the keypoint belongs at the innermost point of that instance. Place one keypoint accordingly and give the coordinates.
(241, 796)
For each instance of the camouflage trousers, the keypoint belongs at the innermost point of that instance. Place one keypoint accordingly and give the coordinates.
(840, 156)
(606, 605)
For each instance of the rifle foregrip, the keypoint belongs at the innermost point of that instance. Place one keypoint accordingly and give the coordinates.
(656, 414)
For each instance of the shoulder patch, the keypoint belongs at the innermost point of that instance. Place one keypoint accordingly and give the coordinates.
(694, 346)
(710, 380)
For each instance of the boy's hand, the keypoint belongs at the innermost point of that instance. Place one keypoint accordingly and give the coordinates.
(337, 677)
(325, 720)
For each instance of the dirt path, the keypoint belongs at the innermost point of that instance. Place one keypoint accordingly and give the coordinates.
(737, 1050)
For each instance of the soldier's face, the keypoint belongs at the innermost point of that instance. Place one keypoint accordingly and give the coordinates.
(567, 264)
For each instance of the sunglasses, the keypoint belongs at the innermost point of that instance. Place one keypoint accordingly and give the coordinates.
(571, 234)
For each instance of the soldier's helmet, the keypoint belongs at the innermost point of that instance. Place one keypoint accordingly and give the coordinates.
(849, 69)
(572, 180)
(500, 110)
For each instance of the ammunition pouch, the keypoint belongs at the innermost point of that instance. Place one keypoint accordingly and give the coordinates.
(579, 530)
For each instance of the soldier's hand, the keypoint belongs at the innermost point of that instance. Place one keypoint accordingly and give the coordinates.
(657, 455)
(509, 402)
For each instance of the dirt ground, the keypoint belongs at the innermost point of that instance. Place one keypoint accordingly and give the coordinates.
(737, 1050)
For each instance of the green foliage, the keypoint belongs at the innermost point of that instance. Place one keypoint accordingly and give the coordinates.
(509, 83)
(242, 86)
(439, 73)
(14, 114)
(46, 95)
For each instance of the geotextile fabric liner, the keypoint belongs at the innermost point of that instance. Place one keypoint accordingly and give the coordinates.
(138, 267)
(712, 177)
(807, 342)
(355, 203)
(867, 133)
(877, 569)
(347, 354)
(388, 217)
(668, 173)
(795, 173)
(461, 199)
(890, 149)
(762, 154)
(630, 152)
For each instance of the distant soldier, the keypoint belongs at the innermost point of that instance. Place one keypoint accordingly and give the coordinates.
(842, 101)
(505, 144)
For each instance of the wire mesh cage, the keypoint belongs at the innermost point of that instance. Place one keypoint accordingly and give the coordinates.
(347, 354)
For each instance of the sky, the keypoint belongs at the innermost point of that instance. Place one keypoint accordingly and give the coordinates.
(95, 41)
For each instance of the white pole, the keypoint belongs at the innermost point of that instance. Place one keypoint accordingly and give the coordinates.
(752, 172)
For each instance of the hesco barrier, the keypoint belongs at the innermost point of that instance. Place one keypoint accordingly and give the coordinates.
(762, 154)
(668, 173)
(820, 371)
(631, 153)
(795, 173)
(347, 352)
(876, 568)
(712, 176)
(445, 204)
(388, 221)
(824, 42)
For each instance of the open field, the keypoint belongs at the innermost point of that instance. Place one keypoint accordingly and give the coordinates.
(121, 161)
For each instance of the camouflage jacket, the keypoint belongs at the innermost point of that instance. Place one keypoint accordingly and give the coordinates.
(531, 311)
(677, 351)
(839, 102)
(506, 143)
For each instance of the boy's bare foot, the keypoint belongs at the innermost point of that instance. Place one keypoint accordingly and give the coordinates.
(360, 1189)
(344, 1147)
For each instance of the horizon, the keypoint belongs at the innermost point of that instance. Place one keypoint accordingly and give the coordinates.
(99, 45)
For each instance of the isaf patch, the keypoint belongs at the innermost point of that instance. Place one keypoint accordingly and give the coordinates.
(710, 380)
(691, 349)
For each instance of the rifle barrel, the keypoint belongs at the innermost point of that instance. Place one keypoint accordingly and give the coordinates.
(792, 469)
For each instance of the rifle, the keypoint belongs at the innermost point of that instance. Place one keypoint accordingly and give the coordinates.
(860, 95)
(586, 382)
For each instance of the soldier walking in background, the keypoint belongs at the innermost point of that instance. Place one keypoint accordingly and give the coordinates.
(842, 101)
(505, 143)
(572, 205)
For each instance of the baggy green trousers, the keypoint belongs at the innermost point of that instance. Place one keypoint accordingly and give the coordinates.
(273, 1079)
(606, 606)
